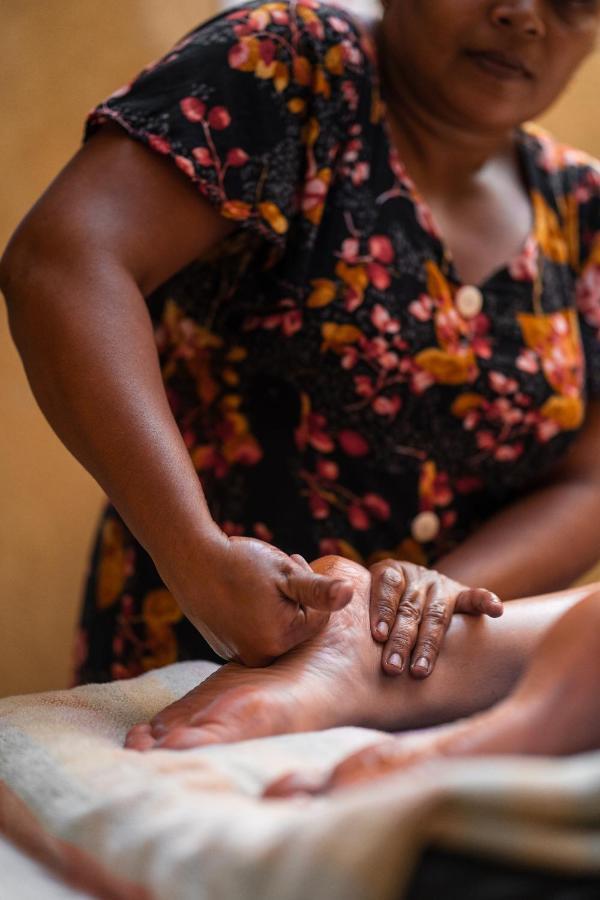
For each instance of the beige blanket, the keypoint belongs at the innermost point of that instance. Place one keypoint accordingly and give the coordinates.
(107, 822)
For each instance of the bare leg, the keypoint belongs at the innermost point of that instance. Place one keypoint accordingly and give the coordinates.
(554, 710)
(336, 678)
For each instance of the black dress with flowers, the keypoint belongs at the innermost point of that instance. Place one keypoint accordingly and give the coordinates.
(339, 390)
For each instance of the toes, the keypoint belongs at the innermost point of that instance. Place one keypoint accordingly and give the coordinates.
(370, 763)
(296, 784)
(186, 738)
(139, 737)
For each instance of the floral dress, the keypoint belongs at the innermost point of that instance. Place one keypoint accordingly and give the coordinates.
(337, 386)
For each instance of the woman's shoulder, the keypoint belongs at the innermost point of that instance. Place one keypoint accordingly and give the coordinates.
(556, 158)
(304, 32)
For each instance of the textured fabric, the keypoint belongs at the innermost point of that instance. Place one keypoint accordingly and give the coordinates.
(191, 825)
(335, 392)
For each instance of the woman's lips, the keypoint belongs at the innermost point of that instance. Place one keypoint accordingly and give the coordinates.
(505, 66)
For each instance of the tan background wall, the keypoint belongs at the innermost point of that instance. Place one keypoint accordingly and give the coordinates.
(59, 58)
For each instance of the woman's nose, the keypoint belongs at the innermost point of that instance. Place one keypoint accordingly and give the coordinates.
(522, 16)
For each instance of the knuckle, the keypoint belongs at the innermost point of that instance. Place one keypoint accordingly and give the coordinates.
(384, 610)
(391, 579)
(401, 640)
(317, 587)
(410, 611)
(437, 611)
(428, 647)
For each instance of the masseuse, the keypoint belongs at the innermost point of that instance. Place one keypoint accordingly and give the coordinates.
(310, 288)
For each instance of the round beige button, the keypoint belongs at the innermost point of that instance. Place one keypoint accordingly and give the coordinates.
(425, 527)
(469, 301)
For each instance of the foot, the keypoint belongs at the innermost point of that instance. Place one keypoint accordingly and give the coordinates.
(554, 711)
(328, 681)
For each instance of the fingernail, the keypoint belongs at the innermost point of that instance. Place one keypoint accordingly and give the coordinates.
(422, 664)
(395, 660)
(383, 629)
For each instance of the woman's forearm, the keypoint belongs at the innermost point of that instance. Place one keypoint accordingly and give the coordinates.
(85, 337)
(540, 543)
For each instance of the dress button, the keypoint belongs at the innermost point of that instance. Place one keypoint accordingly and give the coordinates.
(469, 301)
(425, 527)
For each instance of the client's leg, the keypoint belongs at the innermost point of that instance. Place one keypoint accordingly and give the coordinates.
(336, 678)
(554, 710)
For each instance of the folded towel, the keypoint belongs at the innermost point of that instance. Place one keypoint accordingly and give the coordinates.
(191, 824)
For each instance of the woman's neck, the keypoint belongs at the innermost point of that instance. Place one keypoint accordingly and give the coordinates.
(451, 154)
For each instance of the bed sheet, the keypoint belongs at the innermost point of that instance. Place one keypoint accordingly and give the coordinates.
(191, 824)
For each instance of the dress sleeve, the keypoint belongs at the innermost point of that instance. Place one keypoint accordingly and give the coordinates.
(232, 105)
(588, 282)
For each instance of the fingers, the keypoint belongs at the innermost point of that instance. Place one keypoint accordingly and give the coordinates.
(387, 586)
(437, 614)
(317, 591)
(403, 636)
(479, 601)
(294, 784)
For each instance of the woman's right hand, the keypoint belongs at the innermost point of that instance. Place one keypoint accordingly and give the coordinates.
(252, 602)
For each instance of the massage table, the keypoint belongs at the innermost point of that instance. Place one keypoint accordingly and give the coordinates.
(81, 816)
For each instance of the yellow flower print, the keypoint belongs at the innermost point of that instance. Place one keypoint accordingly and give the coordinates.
(315, 192)
(558, 242)
(594, 255)
(236, 209)
(337, 337)
(464, 403)
(567, 412)
(334, 60)
(323, 293)
(281, 78)
(453, 361)
(310, 132)
(238, 444)
(245, 55)
(448, 368)
(356, 277)
(265, 70)
(320, 83)
(438, 287)
(302, 69)
(112, 570)
(237, 354)
(296, 105)
(160, 608)
(555, 338)
(273, 215)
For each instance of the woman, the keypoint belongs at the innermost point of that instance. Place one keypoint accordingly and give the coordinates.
(352, 364)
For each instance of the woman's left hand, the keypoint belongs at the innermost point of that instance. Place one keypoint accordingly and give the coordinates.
(410, 611)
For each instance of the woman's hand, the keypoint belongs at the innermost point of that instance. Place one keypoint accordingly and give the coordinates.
(410, 610)
(252, 602)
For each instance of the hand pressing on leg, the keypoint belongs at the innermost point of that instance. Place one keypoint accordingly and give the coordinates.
(322, 683)
(554, 710)
(411, 609)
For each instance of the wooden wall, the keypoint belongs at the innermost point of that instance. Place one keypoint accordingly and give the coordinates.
(58, 59)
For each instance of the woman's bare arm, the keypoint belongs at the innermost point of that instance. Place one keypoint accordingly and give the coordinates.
(115, 224)
(547, 539)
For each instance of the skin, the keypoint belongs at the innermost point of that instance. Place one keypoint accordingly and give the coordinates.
(453, 124)
(118, 221)
(552, 712)
(336, 679)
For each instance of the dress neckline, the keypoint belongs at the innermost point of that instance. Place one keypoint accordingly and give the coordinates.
(426, 219)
